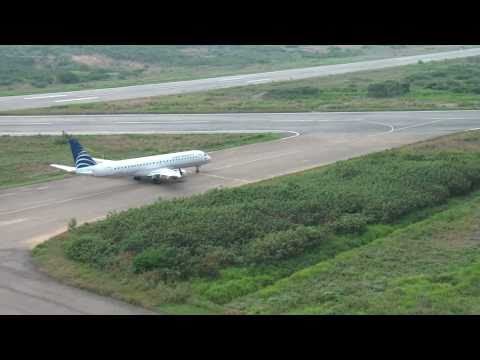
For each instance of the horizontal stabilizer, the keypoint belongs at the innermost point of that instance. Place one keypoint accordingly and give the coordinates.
(69, 169)
(99, 161)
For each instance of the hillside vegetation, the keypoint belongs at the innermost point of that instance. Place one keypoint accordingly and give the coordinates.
(39, 68)
(26, 159)
(218, 250)
(442, 85)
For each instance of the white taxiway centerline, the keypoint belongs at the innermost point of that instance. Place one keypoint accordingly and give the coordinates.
(225, 178)
(11, 222)
(419, 125)
(252, 161)
(47, 203)
(295, 134)
(78, 99)
(44, 97)
(161, 122)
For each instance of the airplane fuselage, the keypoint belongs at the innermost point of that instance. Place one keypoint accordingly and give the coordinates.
(145, 165)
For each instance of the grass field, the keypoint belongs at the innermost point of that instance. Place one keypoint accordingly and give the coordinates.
(390, 232)
(25, 159)
(430, 267)
(445, 85)
(34, 69)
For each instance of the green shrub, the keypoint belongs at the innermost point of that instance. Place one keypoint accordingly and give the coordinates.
(6, 82)
(222, 293)
(174, 293)
(85, 247)
(389, 88)
(350, 224)
(293, 93)
(285, 244)
(158, 258)
(68, 77)
(72, 224)
(214, 259)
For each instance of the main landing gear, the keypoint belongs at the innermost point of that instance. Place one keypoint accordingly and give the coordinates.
(197, 169)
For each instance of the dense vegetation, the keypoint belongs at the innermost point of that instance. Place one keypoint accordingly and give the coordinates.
(217, 247)
(389, 88)
(26, 159)
(429, 267)
(47, 66)
(452, 84)
(41, 68)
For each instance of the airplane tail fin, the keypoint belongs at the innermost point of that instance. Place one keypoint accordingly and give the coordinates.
(80, 157)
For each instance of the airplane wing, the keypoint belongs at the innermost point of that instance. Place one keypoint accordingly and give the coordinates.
(69, 169)
(165, 173)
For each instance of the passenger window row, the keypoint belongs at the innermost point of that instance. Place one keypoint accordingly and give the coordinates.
(155, 163)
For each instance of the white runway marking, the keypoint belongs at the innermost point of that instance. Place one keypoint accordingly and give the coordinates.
(162, 122)
(232, 78)
(11, 222)
(258, 81)
(25, 124)
(7, 194)
(458, 118)
(78, 99)
(44, 97)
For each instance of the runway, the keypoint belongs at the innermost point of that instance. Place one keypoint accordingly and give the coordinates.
(178, 87)
(30, 214)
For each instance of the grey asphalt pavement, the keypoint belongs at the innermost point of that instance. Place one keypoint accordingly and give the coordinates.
(30, 214)
(178, 87)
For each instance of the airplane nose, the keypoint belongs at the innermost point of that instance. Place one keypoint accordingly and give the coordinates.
(208, 157)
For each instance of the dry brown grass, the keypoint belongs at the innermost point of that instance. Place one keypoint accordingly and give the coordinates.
(93, 60)
(467, 141)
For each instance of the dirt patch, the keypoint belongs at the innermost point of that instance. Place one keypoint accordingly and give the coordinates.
(196, 51)
(32, 242)
(93, 60)
(322, 49)
(467, 141)
(105, 61)
(466, 237)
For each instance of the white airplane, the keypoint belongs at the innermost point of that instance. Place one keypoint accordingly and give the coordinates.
(158, 167)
